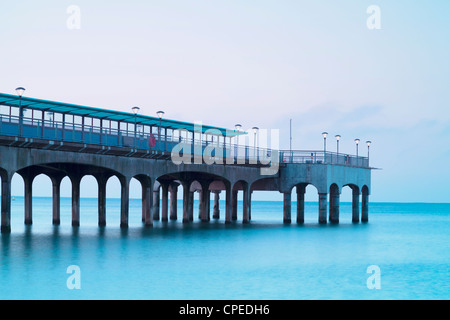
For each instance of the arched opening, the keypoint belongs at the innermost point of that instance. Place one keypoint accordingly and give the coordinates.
(113, 200)
(350, 193)
(89, 200)
(261, 192)
(135, 201)
(41, 198)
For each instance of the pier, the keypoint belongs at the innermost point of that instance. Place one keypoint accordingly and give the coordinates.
(167, 157)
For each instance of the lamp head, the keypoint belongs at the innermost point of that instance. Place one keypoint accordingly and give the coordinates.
(160, 114)
(135, 110)
(20, 91)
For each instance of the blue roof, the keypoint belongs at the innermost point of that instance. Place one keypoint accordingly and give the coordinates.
(79, 110)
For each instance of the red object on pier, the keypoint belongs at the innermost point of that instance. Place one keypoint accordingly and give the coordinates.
(151, 141)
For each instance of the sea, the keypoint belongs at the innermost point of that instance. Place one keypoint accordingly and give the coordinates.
(402, 253)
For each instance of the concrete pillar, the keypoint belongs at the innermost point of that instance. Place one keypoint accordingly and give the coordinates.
(323, 208)
(56, 200)
(204, 201)
(200, 197)
(334, 207)
(234, 201)
(186, 199)
(156, 200)
(147, 203)
(6, 204)
(228, 205)
(365, 207)
(164, 202)
(75, 200)
(246, 205)
(101, 182)
(355, 206)
(300, 204)
(124, 202)
(208, 205)
(28, 199)
(173, 200)
(191, 206)
(287, 207)
(216, 209)
(250, 205)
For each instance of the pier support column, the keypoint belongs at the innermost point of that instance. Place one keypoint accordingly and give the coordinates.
(250, 205)
(323, 208)
(287, 207)
(334, 204)
(301, 203)
(28, 199)
(204, 201)
(156, 200)
(56, 200)
(200, 196)
(75, 200)
(101, 182)
(191, 206)
(6, 203)
(355, 205)
(365, 205)
(147, 202)
(124, 201)
(246, 205)
(186, 201)
(164, 202)
(228, 204)
(173, 189)
(216, 209)
(234, 201)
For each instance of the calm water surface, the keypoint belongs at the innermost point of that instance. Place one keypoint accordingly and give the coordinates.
(262, 260)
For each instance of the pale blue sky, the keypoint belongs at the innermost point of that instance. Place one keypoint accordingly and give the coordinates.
(257, 63)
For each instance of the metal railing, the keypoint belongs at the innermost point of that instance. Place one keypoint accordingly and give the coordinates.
(323, 157)
(164, 144)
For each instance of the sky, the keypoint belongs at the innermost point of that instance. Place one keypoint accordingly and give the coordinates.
(258, 63)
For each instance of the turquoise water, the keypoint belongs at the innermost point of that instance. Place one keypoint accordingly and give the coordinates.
(263, 260)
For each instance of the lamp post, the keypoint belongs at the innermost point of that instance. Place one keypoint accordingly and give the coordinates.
(255, 131)
(160, 115)
(338, 137)
(238, 127)
(357, 143)
(368, 149)
(20, 91)
(324, 134)
(135, 111)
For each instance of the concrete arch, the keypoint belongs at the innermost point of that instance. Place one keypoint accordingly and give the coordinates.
(147, 198)
(355, 201)
(246, 200)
